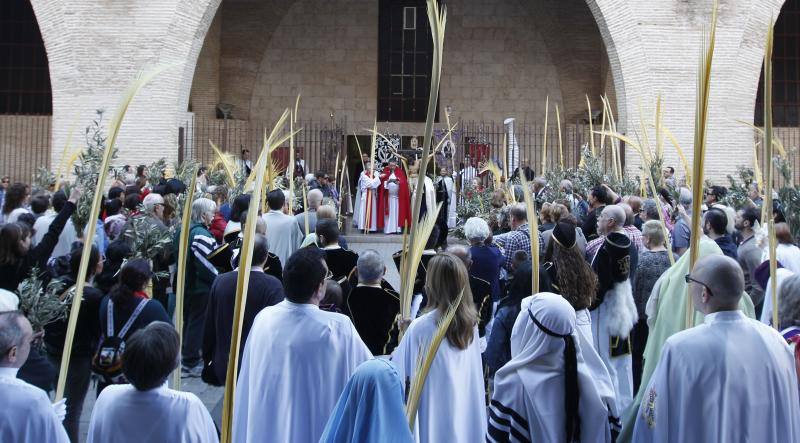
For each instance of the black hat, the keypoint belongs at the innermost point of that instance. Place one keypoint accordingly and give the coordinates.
(564, 234)
(617, 248)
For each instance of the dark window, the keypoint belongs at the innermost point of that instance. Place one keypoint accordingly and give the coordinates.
(785, 70)
(405, 54)
(24, 74)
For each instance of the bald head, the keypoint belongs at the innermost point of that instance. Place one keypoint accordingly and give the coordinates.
(462, 253)
(723, 278)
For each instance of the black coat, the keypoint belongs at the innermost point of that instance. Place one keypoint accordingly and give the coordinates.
(263, 290)
(11, 274)
(374, 312)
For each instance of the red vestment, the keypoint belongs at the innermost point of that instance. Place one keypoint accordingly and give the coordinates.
(404, 206)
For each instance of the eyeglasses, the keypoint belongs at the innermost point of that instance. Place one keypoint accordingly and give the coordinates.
(688, 278)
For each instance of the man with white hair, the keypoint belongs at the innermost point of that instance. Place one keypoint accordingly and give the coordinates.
(487, 260)
(200, 275)
(27, 415)
(152, 219)
(314, 199)
(728, 379)
(372, 307)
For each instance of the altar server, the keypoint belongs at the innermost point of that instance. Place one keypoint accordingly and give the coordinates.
(452, 406)
(730, 379)
(297, 360)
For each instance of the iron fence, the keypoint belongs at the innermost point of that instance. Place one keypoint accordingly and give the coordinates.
(25, 145)
(789, 139)
(316, 145)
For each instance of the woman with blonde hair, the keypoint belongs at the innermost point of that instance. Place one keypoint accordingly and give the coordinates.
(452, 405)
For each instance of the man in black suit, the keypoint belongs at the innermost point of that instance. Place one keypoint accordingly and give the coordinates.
(263, 290)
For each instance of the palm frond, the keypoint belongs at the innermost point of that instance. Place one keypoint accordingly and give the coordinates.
(424, 364)
(98, 187)
(701, 120)
(183, 254)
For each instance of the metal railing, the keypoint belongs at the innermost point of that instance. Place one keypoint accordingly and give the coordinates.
(25, 145)
(317, 144)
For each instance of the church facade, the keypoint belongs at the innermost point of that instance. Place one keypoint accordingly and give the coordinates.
(357, 60)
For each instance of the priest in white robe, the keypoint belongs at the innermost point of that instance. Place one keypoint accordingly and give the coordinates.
(26, 414)
(146, 410)
(546, 392)
(368, 183)
(729, 379)
(297, 360)
(450, 185)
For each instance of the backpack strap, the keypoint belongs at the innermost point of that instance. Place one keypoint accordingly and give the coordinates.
(132, 318)
(110, 318)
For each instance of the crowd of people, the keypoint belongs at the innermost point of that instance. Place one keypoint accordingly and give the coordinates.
(599, 353)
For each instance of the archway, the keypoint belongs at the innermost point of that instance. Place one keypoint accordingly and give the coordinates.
(25, 93)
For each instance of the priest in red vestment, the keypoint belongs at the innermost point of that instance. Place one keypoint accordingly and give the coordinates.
(394, 202)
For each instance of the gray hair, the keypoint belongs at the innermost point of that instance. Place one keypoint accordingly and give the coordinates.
(566, 185)
(650, 209)
(314, 198)
(11, 332)
(616, 213)
(654, 232)
(476, 229)
(789, 302)
(202, 206)
(370, 266)
(685, 198)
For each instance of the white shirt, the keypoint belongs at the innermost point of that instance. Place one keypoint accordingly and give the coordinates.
(26, 415)
(296, 363)
(122, 414)
(452, 406)
(730, 379)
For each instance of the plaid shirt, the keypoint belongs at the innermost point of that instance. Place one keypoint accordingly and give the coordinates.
(517, 240)
(631, 231)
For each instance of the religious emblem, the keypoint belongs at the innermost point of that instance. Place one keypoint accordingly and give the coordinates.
(414, 144)
(649, 411)
(387, 149)
(624, 265)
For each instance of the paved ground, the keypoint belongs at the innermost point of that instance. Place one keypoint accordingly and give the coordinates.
(386, 245)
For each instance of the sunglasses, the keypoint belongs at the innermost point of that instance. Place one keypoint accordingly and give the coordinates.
(688, 278)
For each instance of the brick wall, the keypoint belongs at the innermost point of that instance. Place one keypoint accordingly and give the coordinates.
(497, 62)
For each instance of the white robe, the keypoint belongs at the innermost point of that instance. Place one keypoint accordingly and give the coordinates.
(283, 234)
(731, 379)
(530, 389)
(451, 203)
(391, 223)
(766, 310)
(365, 184)
(123, 414)
(26, 415)
(595, 365)
(608, 317)
(452, 407)
(296, 363)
